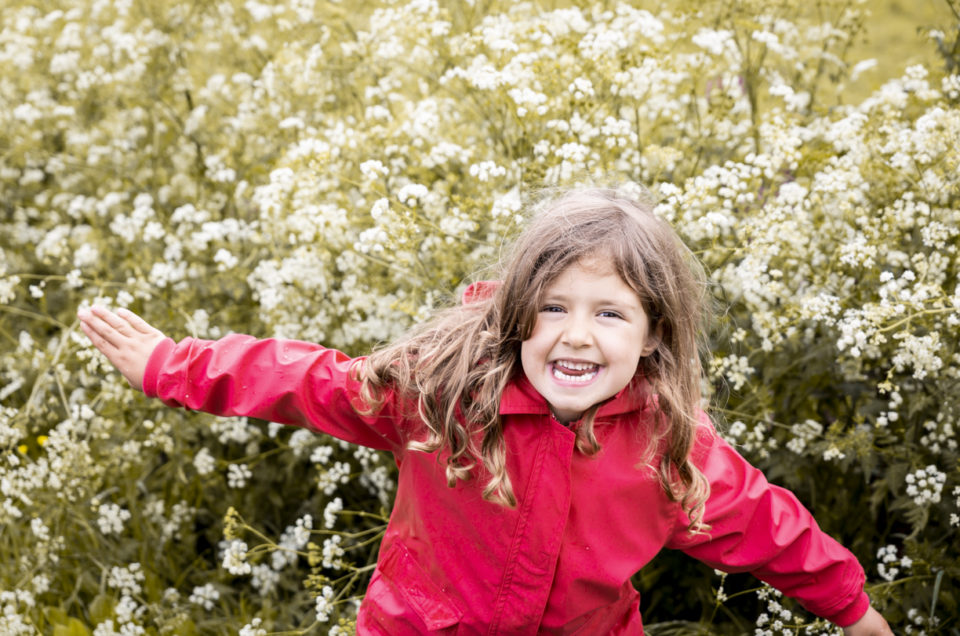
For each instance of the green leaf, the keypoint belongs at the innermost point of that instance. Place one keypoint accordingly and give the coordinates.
(102, 608)
(73, 627)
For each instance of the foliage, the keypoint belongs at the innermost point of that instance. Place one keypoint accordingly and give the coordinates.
(296, 169)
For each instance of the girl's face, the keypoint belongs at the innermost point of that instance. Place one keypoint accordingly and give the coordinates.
(590, 333)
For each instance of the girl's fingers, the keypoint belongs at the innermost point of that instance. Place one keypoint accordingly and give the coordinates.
(96, 338)
(137, 322)
(112, 319)
(98, 322)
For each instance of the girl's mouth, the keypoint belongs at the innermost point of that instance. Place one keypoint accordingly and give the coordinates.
(580, 372)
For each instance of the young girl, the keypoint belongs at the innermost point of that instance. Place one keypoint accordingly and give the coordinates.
(548, 436)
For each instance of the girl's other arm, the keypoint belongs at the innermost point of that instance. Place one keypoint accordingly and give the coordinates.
(870, 624)
(124, 337)
(760, 528)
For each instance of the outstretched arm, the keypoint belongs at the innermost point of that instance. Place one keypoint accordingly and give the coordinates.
(285, 381)
(870, 624)
(124, 337)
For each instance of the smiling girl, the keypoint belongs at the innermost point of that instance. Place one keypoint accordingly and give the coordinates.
(548, 434)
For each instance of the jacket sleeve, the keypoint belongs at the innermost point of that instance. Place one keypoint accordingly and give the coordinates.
(284, 381)
(763, 529)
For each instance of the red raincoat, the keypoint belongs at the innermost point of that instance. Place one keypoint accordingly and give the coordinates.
(561, 561)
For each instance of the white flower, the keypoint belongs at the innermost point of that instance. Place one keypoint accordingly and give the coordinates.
(486, 170)
(373, 168)
(39, 529)
(339, 473)
(127, 580)
(234, 558)
(325, 604)
(111, 518)
(332, 551)
(205, 596)
(410, 193)
(832, 453)
(265, 578)
(925, 485)
(253, 628)
(321, 454)
(225, 260)
(204, 462)
(237, 475)
(331, 511)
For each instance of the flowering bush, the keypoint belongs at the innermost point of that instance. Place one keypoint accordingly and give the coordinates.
(296, 169)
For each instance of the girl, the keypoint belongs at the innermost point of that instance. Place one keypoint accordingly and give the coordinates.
(548, 436)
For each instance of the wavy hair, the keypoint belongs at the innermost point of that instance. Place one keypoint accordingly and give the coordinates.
(455, 367)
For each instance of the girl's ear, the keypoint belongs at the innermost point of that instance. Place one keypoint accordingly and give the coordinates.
(653, 340)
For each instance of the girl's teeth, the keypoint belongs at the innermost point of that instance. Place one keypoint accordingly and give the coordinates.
(586, 377)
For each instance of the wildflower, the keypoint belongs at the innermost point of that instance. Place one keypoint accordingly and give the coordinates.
(325, 604)
(127, 580)
(204, 462)
(237, 475)
(264, 579)
(330, 512)
(111, 518)
(204, 596)
(925, 485)
(339, 473)
(332, 551)
(253, 628)
(234, 558)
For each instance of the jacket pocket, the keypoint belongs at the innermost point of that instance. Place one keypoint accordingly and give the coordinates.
(401, 575)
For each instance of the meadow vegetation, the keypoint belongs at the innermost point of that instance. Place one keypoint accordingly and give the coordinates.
(296, 169)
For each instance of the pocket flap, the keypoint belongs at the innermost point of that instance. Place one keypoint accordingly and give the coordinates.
(424, 596)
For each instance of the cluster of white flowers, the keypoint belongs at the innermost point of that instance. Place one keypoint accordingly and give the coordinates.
(918, 621)
(253, 628)
(925, 485)
(325, 604)
(803, 434)
(170, 526)
(204, 462)
(753, 440)
(126, 580)
(889, 564)
(328, 480)
(735, 369)
(111, 518)
(238, 474)
(12, 621)
(330, 512)
(333, 552)
(234, 558)
(205, 596)
(939, 436)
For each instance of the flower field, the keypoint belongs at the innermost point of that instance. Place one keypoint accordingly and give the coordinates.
(313, 170)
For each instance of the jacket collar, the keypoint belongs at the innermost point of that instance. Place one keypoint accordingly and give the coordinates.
(520, 397)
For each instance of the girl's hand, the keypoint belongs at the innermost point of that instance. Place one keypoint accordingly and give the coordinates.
(870, 624)
(124, 337)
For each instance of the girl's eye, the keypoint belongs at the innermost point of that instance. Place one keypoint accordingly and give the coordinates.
(552, 308)
(610, 314)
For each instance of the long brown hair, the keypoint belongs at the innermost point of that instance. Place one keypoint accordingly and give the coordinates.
(456, 366)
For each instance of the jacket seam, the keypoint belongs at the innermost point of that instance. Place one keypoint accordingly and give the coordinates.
(522, 524)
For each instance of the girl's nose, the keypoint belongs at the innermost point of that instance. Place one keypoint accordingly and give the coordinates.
(576, 332)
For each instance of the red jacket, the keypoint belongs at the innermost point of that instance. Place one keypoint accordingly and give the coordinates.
(561, 561)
